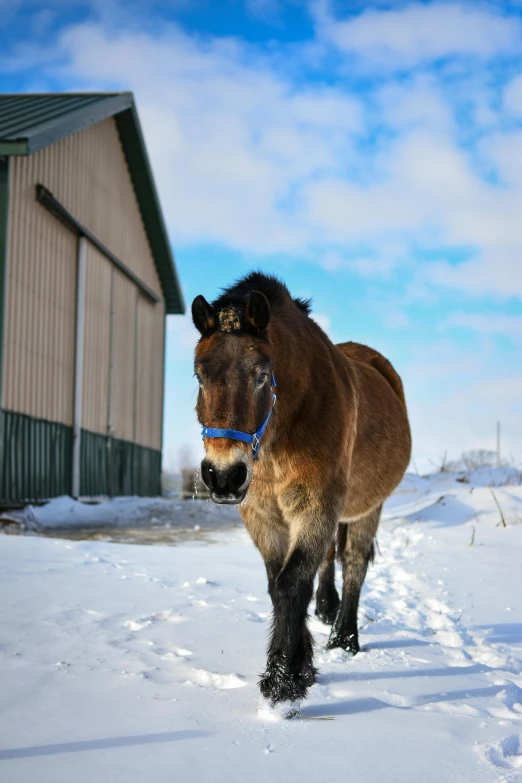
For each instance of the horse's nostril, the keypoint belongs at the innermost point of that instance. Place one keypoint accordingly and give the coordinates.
(208, 474)
(224, 482)
(237, 476)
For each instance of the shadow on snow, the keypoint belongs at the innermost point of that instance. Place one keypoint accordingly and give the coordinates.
(99, 744)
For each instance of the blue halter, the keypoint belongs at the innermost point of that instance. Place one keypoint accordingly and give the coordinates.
(255, 439)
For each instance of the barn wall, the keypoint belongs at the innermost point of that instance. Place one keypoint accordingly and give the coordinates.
(95, 393)
(122, 407)
(4, 205)
(36, 462)
(38, 366)
(88, 173)
(125, 401)
(124, 357)
(151, 320)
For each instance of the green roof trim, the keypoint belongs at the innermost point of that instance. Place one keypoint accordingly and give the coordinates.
(29, 123)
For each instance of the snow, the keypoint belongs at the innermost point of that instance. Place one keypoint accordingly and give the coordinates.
(140, 663)
(123, 519)
(65, 512)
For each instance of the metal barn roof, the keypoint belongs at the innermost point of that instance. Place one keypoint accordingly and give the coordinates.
(30, 122)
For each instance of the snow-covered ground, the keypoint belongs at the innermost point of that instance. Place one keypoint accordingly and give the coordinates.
(135, 663)
(123, 519)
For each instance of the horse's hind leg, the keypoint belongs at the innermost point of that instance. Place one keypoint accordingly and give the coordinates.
(326, 598)
(356, 550)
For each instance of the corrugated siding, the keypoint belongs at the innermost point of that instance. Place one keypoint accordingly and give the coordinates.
(150, 369)
(117, 467)
(123, 372)
(96, 341)
(136, 388)
(40, 303)
(35, 460)
(87, 172)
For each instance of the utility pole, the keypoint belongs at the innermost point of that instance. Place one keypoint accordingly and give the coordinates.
(498, 444)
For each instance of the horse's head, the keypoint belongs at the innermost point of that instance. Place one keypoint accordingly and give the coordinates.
(233, 365)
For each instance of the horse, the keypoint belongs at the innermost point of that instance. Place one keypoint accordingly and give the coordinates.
(309, 438)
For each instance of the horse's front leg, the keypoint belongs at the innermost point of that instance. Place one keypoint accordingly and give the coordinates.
(290, 670)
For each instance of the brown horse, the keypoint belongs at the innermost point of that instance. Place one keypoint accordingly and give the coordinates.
(334, 449)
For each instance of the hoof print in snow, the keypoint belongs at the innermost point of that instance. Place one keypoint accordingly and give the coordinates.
(284, 710)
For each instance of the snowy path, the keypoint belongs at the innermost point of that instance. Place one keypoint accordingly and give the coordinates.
(136, 663)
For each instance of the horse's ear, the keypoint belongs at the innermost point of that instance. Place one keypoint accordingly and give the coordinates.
(257, 310)
(203, 315)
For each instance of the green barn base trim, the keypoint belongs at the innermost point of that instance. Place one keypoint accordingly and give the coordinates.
(35, 458)
(36, 464)
(112, 467)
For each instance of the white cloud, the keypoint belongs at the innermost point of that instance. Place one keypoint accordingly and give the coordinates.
(396, 319)
(420, 33)
(415, 103)
(230, 138)
(487, 323)
(504, 150)
(248, 156)
(324, 321)
(513, 96)
(182, 336)
(264, 9)
(430, 194)
(455, 401)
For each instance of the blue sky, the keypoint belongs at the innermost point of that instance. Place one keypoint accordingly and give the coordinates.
(368, 153)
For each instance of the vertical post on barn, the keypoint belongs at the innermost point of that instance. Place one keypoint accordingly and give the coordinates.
(78, 365)
(498, 444)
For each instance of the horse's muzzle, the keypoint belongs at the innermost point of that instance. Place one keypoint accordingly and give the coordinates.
(227, 484)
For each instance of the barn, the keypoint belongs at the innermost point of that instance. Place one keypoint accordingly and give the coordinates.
(87, 277)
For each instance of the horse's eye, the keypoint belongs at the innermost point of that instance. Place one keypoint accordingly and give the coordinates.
(199, 378)
(260, 381)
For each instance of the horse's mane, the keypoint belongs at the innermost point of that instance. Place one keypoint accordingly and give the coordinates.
(274, 289)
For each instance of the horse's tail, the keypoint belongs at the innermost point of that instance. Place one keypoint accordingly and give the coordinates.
(388, 371)
(363, 353)
(342, 537)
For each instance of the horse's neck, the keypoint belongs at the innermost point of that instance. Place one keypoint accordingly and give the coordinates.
(294, 352)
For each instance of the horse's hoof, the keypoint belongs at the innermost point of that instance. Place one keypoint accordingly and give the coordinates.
(327, 606)
(347, 642)
(277, 685)
(326, 614)
(309, 675)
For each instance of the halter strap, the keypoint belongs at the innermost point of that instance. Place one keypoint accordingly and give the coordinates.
(254, 440)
